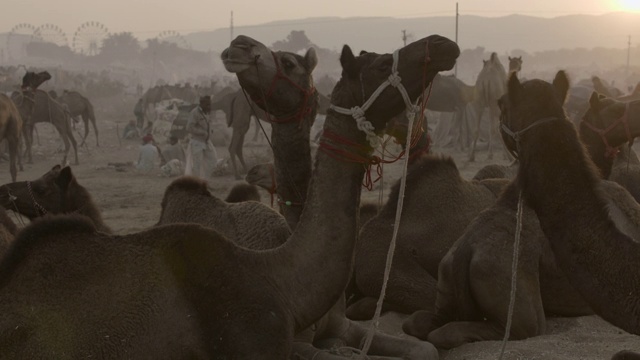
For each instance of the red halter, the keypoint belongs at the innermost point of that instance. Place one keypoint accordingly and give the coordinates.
(624, 119)
(305, 108)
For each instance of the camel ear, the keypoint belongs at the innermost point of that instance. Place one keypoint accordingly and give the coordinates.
(56, 168)
(514, 87)
(65, 178)
(348, 62)
(561, 84)
(311, 58)
(362, 52)
(510, 58)
(520, 57)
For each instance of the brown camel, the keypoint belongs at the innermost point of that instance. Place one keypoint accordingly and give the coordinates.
(334, 323)
(490, 86)
(37, 106)
(515, 64)
(55, 192)
(80, 106)
(453, 202)
(494, 171)
(560, 183)
(8, 232)
(605, 89)
(11, 130)
(243, 192)
(619, 120)
(474, 277)
(221, 301)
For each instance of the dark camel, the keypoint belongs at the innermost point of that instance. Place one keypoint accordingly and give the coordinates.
(474, 277)
(37, 106)
(11, 130)
(221, 301)
(333, 325)
(80, 106)
(560, 183)
(55, 192)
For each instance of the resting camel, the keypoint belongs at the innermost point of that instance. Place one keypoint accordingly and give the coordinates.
(37, 106)
(490, 86)
(80, 106)
(293, 140)
(608, 117)
(8, 231)
(185, 291)
(560, 184)
(11, 130)
(55, 192)
(475, 276)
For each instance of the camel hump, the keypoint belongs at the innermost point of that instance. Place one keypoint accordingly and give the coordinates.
(188, 184)
(41, 231)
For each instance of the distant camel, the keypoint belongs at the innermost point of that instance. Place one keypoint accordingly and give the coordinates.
(80, 106)
(515, 64)
(449, 94)
(11, 130)
(490, 86)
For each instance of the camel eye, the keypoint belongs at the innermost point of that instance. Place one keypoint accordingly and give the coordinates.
(287, 64)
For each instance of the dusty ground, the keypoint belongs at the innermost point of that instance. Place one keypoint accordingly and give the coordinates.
(131, 202)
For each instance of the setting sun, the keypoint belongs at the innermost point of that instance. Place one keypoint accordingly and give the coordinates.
(628, 5)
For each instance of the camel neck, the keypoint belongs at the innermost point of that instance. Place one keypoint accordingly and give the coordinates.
(315, 263)
(560, 184)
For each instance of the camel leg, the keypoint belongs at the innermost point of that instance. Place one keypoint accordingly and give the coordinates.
(256, 133)
(13, 150)
(241, 155)
(476, 135)
(27, 134)
(85, 121)
(95, 129)
(493, 130)
(233, 150)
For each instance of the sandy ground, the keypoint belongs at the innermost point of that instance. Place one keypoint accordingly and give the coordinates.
(131, 202)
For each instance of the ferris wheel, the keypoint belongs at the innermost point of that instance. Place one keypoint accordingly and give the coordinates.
(174, 37)
(88, 38)
(51, 34)
(18, 39)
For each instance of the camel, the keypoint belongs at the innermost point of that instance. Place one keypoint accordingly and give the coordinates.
(474, 277)
(8, 232)
(606, 118)
(449, 94)
(11, 130)
(494, 171)
(55, 192)
(453, 202)
(515, 64)
(560, 183)
(37, 106)
(221, 301)
(490, 86)
(603, 88)
(334, 323)
(80, 106)
(243, 192)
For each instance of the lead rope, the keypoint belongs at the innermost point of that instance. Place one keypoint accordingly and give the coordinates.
(514, 276)
(392, 246)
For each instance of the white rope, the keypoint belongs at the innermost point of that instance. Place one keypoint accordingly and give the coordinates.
(514, 275)
(392, 246)
(357, 112)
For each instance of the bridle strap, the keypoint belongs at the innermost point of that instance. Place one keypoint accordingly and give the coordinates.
(39, 208)
(358, 112)
(624, 119)
(517, 135)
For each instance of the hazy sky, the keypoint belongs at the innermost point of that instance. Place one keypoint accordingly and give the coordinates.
(147, 18)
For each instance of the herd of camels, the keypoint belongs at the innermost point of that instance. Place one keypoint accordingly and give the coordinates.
(232, 279)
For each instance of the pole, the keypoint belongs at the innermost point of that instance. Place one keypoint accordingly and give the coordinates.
(455, 70)
(231, 28)
(404, 37)
(628, 53)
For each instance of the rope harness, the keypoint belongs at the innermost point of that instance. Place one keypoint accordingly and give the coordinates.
(610, 151)
(41, 211)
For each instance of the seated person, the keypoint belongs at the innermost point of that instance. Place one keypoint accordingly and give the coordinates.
(130, 131)
(149, 155)
(173, 151)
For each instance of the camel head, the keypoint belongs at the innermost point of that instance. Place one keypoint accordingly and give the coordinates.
(262, 72)
(528, 104)
(417, 65)
(515, 63)
(262, 175)
(55, 192)
(32, 80)
(610, 120)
